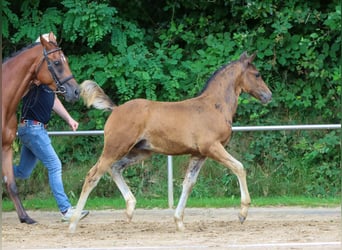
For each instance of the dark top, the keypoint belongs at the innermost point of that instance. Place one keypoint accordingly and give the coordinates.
(38, 103)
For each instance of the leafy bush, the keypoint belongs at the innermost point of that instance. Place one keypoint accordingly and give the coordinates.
(169, 51)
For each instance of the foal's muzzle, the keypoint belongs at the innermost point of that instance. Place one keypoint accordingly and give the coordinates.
(265, 97)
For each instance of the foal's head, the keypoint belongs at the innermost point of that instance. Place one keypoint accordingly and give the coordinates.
(251, 81)
(54, 70)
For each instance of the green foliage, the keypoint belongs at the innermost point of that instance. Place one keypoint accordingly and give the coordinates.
(8, 19)
(90, 20)
(169, 51)
(30, 22)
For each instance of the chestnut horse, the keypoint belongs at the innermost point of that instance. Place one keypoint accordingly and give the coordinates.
(42, 62)
(200, 127)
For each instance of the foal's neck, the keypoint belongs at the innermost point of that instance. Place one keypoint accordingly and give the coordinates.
(224, 91)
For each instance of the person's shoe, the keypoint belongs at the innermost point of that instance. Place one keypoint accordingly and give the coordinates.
(67, 214)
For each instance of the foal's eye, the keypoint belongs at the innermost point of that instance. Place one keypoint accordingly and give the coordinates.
(257, 75)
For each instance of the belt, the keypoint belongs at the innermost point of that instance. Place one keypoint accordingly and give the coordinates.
(33, 122)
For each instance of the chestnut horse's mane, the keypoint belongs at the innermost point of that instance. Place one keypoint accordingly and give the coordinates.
(14, 54)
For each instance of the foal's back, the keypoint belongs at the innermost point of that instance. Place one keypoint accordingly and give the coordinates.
(185, 127)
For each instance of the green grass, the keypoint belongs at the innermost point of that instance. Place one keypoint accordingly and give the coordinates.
(119, 203)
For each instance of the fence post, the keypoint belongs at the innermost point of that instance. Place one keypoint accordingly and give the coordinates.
(170, 180)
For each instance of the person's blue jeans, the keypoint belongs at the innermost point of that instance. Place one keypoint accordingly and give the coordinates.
(36, 145)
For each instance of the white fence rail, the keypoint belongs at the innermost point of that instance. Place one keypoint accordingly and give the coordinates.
(239, 128)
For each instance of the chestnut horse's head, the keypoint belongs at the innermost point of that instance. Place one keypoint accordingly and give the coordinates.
(54, 70)
(251, 81)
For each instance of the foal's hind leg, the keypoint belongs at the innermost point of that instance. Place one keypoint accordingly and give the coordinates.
(218, 153)
(134, 156)
(190, 178)
(90, 182)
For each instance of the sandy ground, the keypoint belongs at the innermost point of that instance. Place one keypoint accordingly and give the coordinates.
(265, 228)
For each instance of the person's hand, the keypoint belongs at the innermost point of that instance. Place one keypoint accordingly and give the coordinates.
(73, 124)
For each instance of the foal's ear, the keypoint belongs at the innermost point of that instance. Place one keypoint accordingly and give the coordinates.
(247, 60)
(243, 56)
(252, 57)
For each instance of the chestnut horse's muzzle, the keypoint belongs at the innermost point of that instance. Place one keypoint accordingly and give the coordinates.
(70, 91)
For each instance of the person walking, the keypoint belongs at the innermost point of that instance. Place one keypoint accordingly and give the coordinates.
(37, 107)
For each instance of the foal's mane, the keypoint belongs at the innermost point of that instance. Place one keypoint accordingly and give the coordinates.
(213, 76)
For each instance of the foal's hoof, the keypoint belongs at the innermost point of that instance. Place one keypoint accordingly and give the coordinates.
(129, 216)
(72, 228)
(130, 206)
(28, 220)
(180, 226)
(242, 218)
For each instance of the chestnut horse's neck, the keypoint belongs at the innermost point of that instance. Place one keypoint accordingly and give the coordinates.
(223, 89)
(17, 73)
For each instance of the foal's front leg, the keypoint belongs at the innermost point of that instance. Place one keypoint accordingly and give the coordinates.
(218, 153)
(190, 178)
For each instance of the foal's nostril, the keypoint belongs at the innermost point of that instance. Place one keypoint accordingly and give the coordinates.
(267, 97)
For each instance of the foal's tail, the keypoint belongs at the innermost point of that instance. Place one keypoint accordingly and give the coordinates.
(93, 95)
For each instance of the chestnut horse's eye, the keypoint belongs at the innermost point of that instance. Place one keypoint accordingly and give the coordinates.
(257, 75)
(58, 66)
